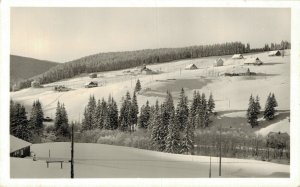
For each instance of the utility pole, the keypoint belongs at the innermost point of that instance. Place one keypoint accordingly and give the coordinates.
(72, 152)
(209, 162)
(220, 153)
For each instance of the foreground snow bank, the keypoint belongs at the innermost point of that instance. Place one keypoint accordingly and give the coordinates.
(107, 161)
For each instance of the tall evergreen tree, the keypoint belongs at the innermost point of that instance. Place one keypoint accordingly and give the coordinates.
(18, 122)
(125, 113)
(173, 144)
(36, 118)
(252, 112)
(257, 104)
(61, 121)
(112, 114)
(89, 120)
(133, 111)
(97, 116)
(271, 103)
(182, 110)
(138, 86)
(156, 138)
(167, 108)
(211, 103)
(188, 136)
(144, 116)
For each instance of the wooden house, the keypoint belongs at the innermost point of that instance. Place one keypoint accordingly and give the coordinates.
(19, 147)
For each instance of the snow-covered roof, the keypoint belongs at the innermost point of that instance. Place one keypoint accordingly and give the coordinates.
(91, 82)
(191, 66)
(219, 62)
(237, 56)
(253, 60)
(237, 70)
(16, 143)
(274, 52)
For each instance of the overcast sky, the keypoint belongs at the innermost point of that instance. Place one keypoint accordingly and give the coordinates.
(64, 34)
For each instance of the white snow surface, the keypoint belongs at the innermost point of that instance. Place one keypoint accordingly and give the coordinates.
(230, 93)
(107, 161)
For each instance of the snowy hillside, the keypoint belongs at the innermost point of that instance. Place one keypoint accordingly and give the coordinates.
(230, 92)
(106, 161)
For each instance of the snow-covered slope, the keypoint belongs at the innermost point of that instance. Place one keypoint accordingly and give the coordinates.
(230, 93)
(106, 161)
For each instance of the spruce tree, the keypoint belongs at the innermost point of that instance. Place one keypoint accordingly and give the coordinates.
(134, 110)
(167, 108)
(155, 130)
(182, 110)
(125, 113)
(104, 115)
(144, 116)
(188, 136)
(173, 144)
(89, 116)
(257, 104)
(271, 103)
(138, 86)
(97, 116)
(61, 123)
(19, 126)
(211, 104)
(252, 112)
(36, 118)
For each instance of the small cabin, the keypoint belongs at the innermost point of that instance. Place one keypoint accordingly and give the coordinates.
(35, 84)
(191, 67)
(218, 62)
(237, 56)
(253, 61)
(93, 75)
(91, 84)
(19, 147)
(274, 53)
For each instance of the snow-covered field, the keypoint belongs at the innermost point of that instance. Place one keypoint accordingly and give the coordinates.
(230, 93)
(107, 161)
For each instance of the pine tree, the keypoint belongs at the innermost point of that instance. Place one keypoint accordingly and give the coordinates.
(257, 104)
(133, 112)
(155, 129)
(188, 133)
(104, 115)
(144, 116)
(138, 86)
(112, 114)
(173, 144)
(252, 112)
(271, 103)
(210, 104)
(125, 113)
(97, 116)
(18, 122)
(89, 120)
(182, 110)
(36, 118)
(167, 108)
(61, 121)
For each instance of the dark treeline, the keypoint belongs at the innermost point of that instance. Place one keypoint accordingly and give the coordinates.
(128, 59)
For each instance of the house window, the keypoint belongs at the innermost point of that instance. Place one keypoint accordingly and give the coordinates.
(22, 152)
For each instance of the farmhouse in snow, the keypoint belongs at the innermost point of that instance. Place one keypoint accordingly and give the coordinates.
(218, 62)
(274, 53)
(18, 147)
(93, 75)
(253, 61)
(190, 67)
(237, 56)
(35, 84)
(91, 84)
